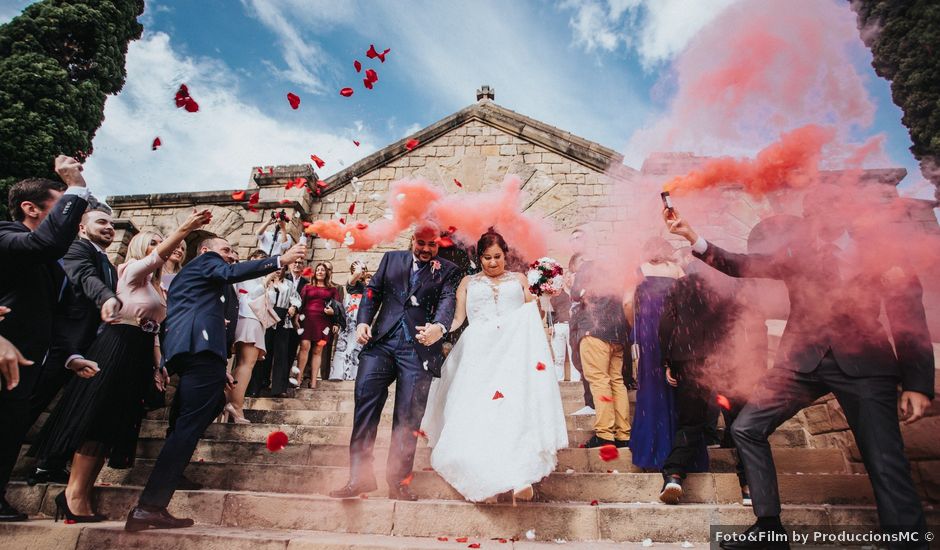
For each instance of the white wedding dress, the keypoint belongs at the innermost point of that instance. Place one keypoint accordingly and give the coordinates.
(485, 446)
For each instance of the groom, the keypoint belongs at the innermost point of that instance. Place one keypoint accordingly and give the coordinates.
(414, 293)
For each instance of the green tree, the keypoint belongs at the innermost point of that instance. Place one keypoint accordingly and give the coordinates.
(904, 37)
(59, 60)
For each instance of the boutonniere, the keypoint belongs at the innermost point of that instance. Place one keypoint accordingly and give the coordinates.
(435, 265)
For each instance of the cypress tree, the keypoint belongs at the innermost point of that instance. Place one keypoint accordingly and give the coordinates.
(904, 37)
(59, 60)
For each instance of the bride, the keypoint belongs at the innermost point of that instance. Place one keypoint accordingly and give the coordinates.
(494, 418)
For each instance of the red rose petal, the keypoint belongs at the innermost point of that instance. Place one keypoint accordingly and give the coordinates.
(607, 399)
(307, 224)
(723, 402)
(608, 452)
(307, 272)
(156, 143)
(356, 143)
(285, 201)
(498, 395)
(594, 503)
(371, 75)
(503, 541)
(242, 291)
(369, 293)
(462, 539)
(342, 221)
(458, 182)
(294, 100)
(238, 196)
(270, 170)
(320, 162)
(362, 226)
(372, 54)
(277, 441)
(367, 83)
(412, 143)
(540, 366)
(452, 229)
(346, 92)
(260, 171)
(352, 208)
(357, 65)
(474, 545)
(253, 199)
(321, 183)
(181, 95)
(442, 539)
(191, 105)
(407, 481)
(420, 433)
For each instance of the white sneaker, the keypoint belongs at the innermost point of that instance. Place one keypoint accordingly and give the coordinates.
(585, 411)
(294, 371)
(293, 382)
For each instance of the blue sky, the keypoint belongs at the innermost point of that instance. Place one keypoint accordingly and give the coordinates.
(591, 67)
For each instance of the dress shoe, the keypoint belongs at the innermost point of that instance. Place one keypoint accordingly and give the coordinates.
(9, 513)
(762, 537)
(597, 442)
(140, 519)
(57, 475)
(353, 489)
(402, 492)
(621, 443)
(187, 484)
(672, 490)
(62, 511)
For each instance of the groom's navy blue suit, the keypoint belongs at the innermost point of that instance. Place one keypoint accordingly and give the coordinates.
(405, 294)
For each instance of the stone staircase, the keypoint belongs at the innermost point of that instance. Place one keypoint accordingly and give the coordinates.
(254, 498)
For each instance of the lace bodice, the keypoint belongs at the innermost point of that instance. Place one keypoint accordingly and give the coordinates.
(489, 299)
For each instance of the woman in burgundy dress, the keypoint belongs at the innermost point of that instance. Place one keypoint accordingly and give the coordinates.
(317, 321)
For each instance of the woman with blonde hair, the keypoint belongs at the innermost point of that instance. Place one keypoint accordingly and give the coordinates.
(172, 265)
(100, 416)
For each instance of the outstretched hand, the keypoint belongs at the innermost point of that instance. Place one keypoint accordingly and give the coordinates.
(294, 253)
(679, 226)
(196, 220)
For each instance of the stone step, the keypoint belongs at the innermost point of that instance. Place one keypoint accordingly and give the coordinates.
(43, 534)
(787, 460)
(556, 487)
(434, 518)
(339, 435)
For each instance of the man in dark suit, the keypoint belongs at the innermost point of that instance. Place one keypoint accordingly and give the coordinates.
(196, 347)
(47, 215)
(414, 294)
(295, 274)
(88, 299)
(833, 342)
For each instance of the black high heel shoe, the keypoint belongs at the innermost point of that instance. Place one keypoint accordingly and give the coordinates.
(62, 511)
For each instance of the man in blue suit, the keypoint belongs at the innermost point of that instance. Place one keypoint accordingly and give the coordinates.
(195, 347)
(414, 293)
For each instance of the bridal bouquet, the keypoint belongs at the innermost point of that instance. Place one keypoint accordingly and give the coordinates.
(545, 277)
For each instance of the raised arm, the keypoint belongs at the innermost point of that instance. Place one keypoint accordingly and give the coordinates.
(233, 273)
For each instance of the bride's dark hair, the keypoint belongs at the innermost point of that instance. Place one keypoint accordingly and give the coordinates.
(490, 238)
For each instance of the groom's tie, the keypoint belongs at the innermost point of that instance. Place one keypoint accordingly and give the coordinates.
(415, 271)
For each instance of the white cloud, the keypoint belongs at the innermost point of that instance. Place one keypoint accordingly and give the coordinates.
(212, 149)
(656, 29)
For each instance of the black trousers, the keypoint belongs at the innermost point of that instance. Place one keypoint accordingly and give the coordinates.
(200, 393)
(694, 399)
(870, 406)
(53, 377)
(15, 419)
(392, 359)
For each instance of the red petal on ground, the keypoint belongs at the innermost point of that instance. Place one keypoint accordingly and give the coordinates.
(594, 503)
(372, 75)
(367, 83)
(253, 199)
(307, 272)
(474, 545)
(462, 539)
(285, 201)
(252, 208)
(319, 162)
(156, 143)
(277, 441)
(442, 539)
(540, 366)
(356, 143)
(607, 399)
(412, 143)
(723, 402)
(407, 481)
(608, 452)
(362, 226)
(191, 105)
(294, 100)
(238, 196)
(352, 208)
(503, 541)
(346, 92)
(357, 65)
(458, 182)
(498, 395)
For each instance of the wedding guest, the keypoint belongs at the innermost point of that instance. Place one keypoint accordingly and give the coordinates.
(574, 339)
(346, 359)
(317, 323)
(326, 363)
(249, 340)
(88, 299)
(295, 274)
(654, 420)
(283, 298)
(278, 239)
(101, 417)
(46, 217)
(195, 348)
(558, 330)
(173, 265)
(603, 330)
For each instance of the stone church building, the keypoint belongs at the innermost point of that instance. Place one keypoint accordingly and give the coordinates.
(566, 179)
